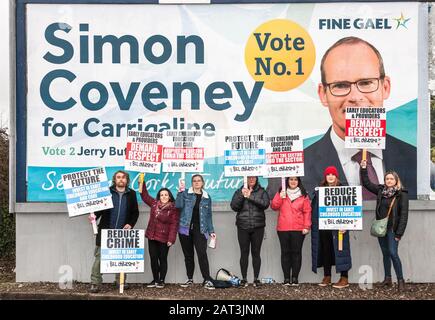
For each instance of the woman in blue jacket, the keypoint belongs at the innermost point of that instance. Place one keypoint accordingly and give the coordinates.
(196, 225)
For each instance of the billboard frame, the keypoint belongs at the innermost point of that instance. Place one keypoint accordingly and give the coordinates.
(18, 87)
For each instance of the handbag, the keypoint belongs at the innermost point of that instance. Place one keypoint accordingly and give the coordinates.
(379, 227)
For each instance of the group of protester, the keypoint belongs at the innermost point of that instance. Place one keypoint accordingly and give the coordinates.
(190, 215)
(352, 74)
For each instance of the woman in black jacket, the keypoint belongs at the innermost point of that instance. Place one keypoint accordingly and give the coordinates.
(392, 189)
(250, 203)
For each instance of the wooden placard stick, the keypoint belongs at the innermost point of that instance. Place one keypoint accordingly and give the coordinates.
(121, 282)
(141, 180)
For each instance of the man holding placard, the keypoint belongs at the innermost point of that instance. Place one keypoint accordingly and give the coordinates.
(353, 75)
(123, 215)
(122, 251)
(87, 191)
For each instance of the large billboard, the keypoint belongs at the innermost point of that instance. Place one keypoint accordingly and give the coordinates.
(95, 71)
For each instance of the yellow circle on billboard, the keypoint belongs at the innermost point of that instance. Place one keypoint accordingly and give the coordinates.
(281, 54)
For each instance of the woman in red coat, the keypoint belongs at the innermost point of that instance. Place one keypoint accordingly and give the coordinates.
(294, 222)
(161, 232)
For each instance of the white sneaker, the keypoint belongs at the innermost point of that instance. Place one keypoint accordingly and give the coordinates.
(209, 285)
(188, 283)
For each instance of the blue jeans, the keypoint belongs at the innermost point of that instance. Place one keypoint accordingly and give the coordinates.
(390, 247)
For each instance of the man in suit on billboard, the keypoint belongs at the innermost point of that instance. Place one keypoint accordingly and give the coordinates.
(353, 75)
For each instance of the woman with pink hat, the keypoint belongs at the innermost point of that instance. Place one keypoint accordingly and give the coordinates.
(324, 243)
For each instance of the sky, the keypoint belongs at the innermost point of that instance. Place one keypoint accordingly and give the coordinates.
(4, 63)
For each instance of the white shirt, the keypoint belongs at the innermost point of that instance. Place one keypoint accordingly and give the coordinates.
(350, 167)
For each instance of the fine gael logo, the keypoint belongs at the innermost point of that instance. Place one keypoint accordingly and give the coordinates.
(401, 21)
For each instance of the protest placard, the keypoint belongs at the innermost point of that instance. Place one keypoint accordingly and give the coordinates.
(144, 151)
(244, 155)
(366, 127)
(284, 156)
(340, 208)
(87, 191)
(183, 151)
(122, 251)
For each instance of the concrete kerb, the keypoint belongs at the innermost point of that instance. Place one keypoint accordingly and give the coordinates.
(67, 296)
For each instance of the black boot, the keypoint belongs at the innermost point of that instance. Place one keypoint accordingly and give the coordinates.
(401, 285)
(295, 282)
(388, 282)
(95, 288)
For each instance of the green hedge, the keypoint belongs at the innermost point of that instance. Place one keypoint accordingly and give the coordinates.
(7, 221)
(7, 234)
